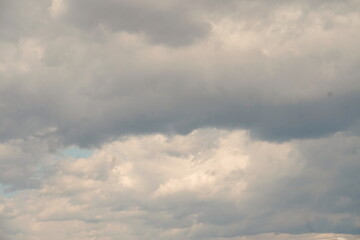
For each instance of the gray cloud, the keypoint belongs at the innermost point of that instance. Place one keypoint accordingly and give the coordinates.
(94, 86)
(88, 73)
(23, 162)
(172, 25)
(204, 185)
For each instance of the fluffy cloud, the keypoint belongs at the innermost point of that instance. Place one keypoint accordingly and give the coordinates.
(205, 185)
(159, 92)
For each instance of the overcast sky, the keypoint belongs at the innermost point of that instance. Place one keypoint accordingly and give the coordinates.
(179, 119)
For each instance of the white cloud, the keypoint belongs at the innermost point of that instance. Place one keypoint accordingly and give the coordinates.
(103, 74)
(193, 187)
(57, 8)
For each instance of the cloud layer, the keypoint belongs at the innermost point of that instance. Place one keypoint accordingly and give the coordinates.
(207, 119)
(94, 71)
(205, 185)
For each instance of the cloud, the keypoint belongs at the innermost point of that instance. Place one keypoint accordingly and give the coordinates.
(205, 185)
(296, 237)
(207, 119)
(169, 24)
(23, 162)
(94, 75)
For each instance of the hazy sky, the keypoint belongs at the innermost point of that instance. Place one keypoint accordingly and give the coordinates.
(179, 119)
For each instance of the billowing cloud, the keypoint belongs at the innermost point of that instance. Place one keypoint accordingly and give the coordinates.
(206, 185)
(207, 119)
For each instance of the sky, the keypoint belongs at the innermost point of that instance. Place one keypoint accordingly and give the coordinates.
(179, 120)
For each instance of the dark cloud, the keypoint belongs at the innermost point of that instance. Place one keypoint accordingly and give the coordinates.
(293, 75)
